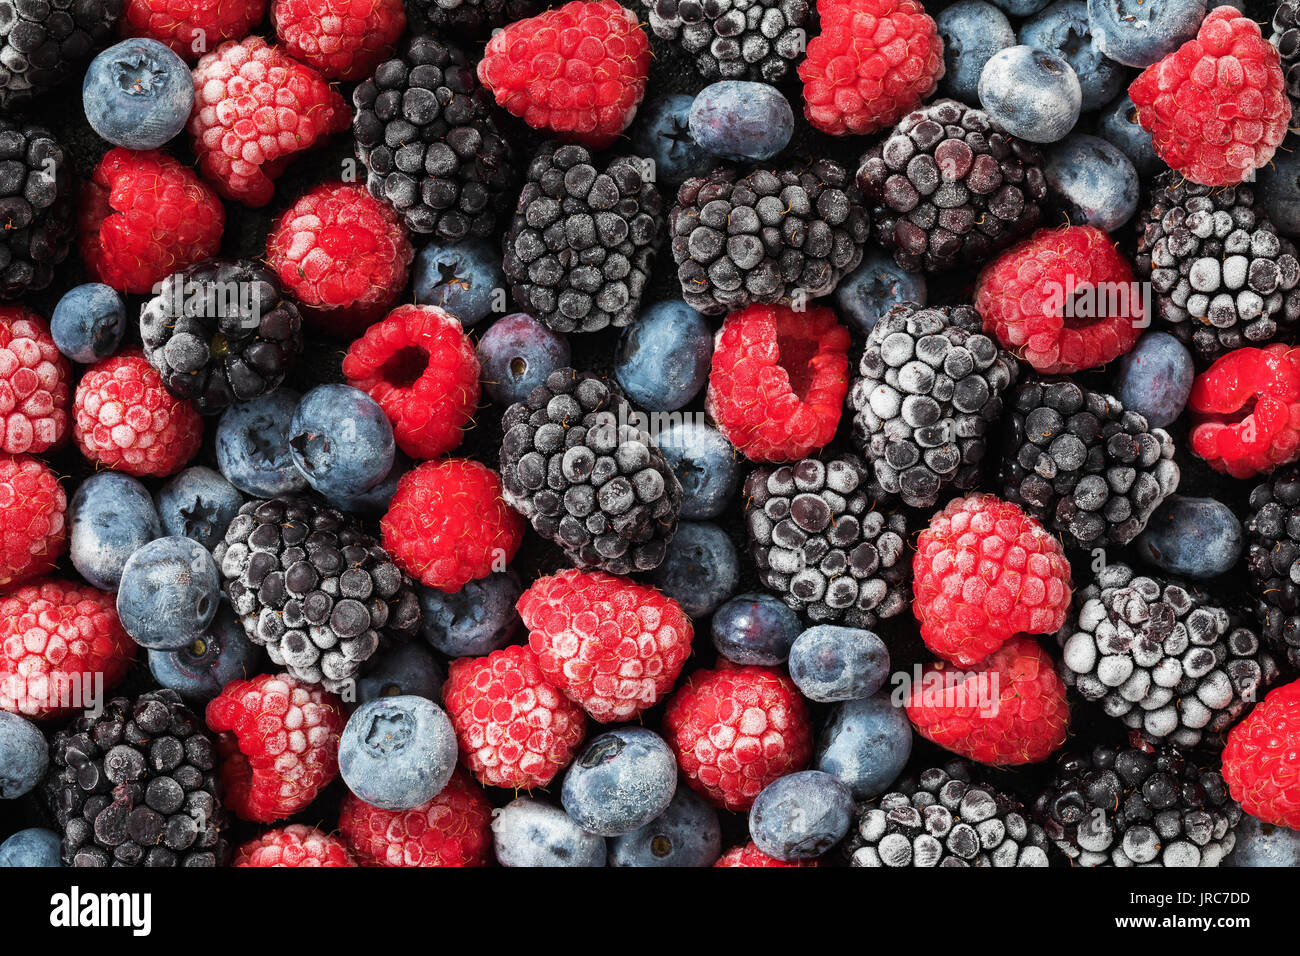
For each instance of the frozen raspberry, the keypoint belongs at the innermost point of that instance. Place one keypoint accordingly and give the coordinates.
(1062, 300)
(127, 420)
(1008, 709)
(452, 829)
(578, 71)
(61, 648)
(1261, 762)
(735, 730)
(985, 571)
(32, 529)
(33, 384)
(294, 845)
(778, 380)
(255, 109)
(1246, 410)
(751, 855)
(514, 727)
(1217, 107)
(421, 368)
(873, 61)
(343, 254)
(279, 744)
(613, 645)
(448, 524)
(342, 39)
(191, 27)
(144, 216)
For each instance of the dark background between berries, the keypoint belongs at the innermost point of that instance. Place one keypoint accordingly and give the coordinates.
(670, 72)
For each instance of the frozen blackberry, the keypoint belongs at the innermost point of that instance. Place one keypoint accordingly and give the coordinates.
(1286, 37)
(766, 236)
(1163, 657)
(943, 818)
(734, 39)
(137, 786)
(1273, 534)
(221, 332)
(1082, 465)
(1220, 274)
(928, 386)
(576, 466)
(424, 131)
(823, 541)
(314, 589)
(579, 250)
(1147, 807)
(43, 41)
(473, 19)
(951, 188)
(37, 201)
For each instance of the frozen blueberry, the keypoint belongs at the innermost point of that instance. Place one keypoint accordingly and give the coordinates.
(687, 834)
(253, 445)
(516, 354)
(1021, 8)
(972, 31)
(620, 781)
(199, 670)
(405, 668)
(474, 621)
(1156, 378)
(662, 135)
(1062, 28)
(527, 832)
(88, 322)
(1192, 537)
(742, 120)
(830, 663)
(1030, 93)
(110, 516)
(1138, 32)
(865, 744)
(138, 94)
(34, 846)
(663, 357)
(465, 278)
(875, 287)
(705, 463)
(374, 501)
(801, 815)
(169, 593)
(1278, 190)
(24, 756)
(341, 440)
(755, 628)
(1118, 125)
(700, 570)
(1258, 844)
(397, 753)
(198, 503)
(1092, 181)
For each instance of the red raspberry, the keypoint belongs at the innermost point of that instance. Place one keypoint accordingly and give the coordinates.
(578, 71)
(145, 216)
(294, 845)
(421, 368)
(127, 420)
(983, 572)
(32, 529)
(343, 39)
(33, 383)
(778, 380)
(448, 524)
(279, 744)
(343, 254)
(1008, 709)
(61, 644)
(874, 61)
(1261, 761)
(613, 645)
(514, 727)
(1217, 107)
(735, 730)
(452, 829)
(751, 855)
(1050, 298)
(255, 109)
(1246, 410)
(191, 27)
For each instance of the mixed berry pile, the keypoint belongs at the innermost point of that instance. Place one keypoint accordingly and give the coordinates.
(670, 433)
